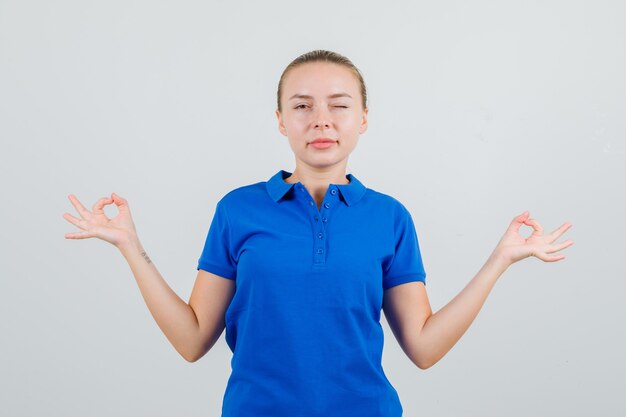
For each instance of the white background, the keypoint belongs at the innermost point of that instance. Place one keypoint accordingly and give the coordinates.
(478, 111)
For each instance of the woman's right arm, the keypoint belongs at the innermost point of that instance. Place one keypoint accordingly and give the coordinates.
(192, 328)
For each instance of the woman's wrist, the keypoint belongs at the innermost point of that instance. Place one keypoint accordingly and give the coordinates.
(129, 243)
(500, 260)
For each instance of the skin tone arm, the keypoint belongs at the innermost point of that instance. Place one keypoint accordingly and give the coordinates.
(191, 331)
(426, 337)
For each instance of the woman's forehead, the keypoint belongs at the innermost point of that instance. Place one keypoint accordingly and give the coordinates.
(312, 78)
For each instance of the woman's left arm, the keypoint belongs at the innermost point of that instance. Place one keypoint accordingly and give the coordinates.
(427, 337)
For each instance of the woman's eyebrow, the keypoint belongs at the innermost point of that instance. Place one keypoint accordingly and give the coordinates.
(330, 96)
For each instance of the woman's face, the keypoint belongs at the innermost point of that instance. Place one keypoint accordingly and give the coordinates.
(321, 100)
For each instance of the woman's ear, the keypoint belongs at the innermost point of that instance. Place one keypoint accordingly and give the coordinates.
(281, 126)
(363, 126)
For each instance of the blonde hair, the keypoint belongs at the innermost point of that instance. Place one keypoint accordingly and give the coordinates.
(321, 55)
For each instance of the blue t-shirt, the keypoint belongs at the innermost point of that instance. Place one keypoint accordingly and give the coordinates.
(304, 322)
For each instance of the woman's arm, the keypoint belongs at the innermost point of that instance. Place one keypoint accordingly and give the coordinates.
(191, 334)
(427, 337)
(176, 318)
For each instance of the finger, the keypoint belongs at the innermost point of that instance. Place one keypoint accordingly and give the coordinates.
(550, 258)
(98, 208)
(522, 216)
(78, 205)
(518, 221)
(78, 235)
(558, 232)
(537, 228)
(560, 246)
(76, 222)
(121, 203)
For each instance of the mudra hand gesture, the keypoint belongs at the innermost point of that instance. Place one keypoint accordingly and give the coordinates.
(513, 247)
(96, 223)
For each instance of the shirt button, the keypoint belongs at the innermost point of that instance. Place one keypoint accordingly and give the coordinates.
(324, 219)
(310, 203)
(320, 250)
(333, 191)
(326, 205)
(320, 235)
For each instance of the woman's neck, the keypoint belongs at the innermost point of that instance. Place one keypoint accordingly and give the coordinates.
(317, 183)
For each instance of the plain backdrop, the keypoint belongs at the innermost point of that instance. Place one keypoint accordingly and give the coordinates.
(478, 111)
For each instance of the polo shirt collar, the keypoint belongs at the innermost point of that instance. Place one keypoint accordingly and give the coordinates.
(351, 193)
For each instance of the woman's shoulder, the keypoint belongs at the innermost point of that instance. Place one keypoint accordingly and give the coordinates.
(385, 200)
(244, 194)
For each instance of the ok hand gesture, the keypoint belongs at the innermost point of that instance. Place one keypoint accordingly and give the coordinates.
(95, 223)
(513, 247)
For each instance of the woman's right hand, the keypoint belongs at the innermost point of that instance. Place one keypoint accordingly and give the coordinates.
(117, 231)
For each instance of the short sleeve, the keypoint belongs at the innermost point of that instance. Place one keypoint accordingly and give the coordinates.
(217, 256)
(406, 264)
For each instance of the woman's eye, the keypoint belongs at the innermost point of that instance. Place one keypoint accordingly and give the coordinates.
(301, 106)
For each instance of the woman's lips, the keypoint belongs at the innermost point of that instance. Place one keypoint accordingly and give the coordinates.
(323, 143)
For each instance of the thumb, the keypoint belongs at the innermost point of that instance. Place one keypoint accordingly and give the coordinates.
(519, 221)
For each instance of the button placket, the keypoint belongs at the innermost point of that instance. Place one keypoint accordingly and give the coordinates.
(320, 244)
(319, 248)
(319, 227)
(320, 239)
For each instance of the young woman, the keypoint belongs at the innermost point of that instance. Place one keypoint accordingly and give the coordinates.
(298, 268)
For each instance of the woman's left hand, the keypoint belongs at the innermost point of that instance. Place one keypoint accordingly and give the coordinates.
(513, 247)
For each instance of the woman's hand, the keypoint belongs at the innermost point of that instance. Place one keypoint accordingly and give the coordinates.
(116, 231)
(513, 247)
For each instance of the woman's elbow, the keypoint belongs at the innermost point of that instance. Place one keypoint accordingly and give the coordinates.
(424, 365)
(424, 362)
(191, 356)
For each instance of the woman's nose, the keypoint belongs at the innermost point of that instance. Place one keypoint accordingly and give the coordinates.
(321, 123)
(321, 117)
